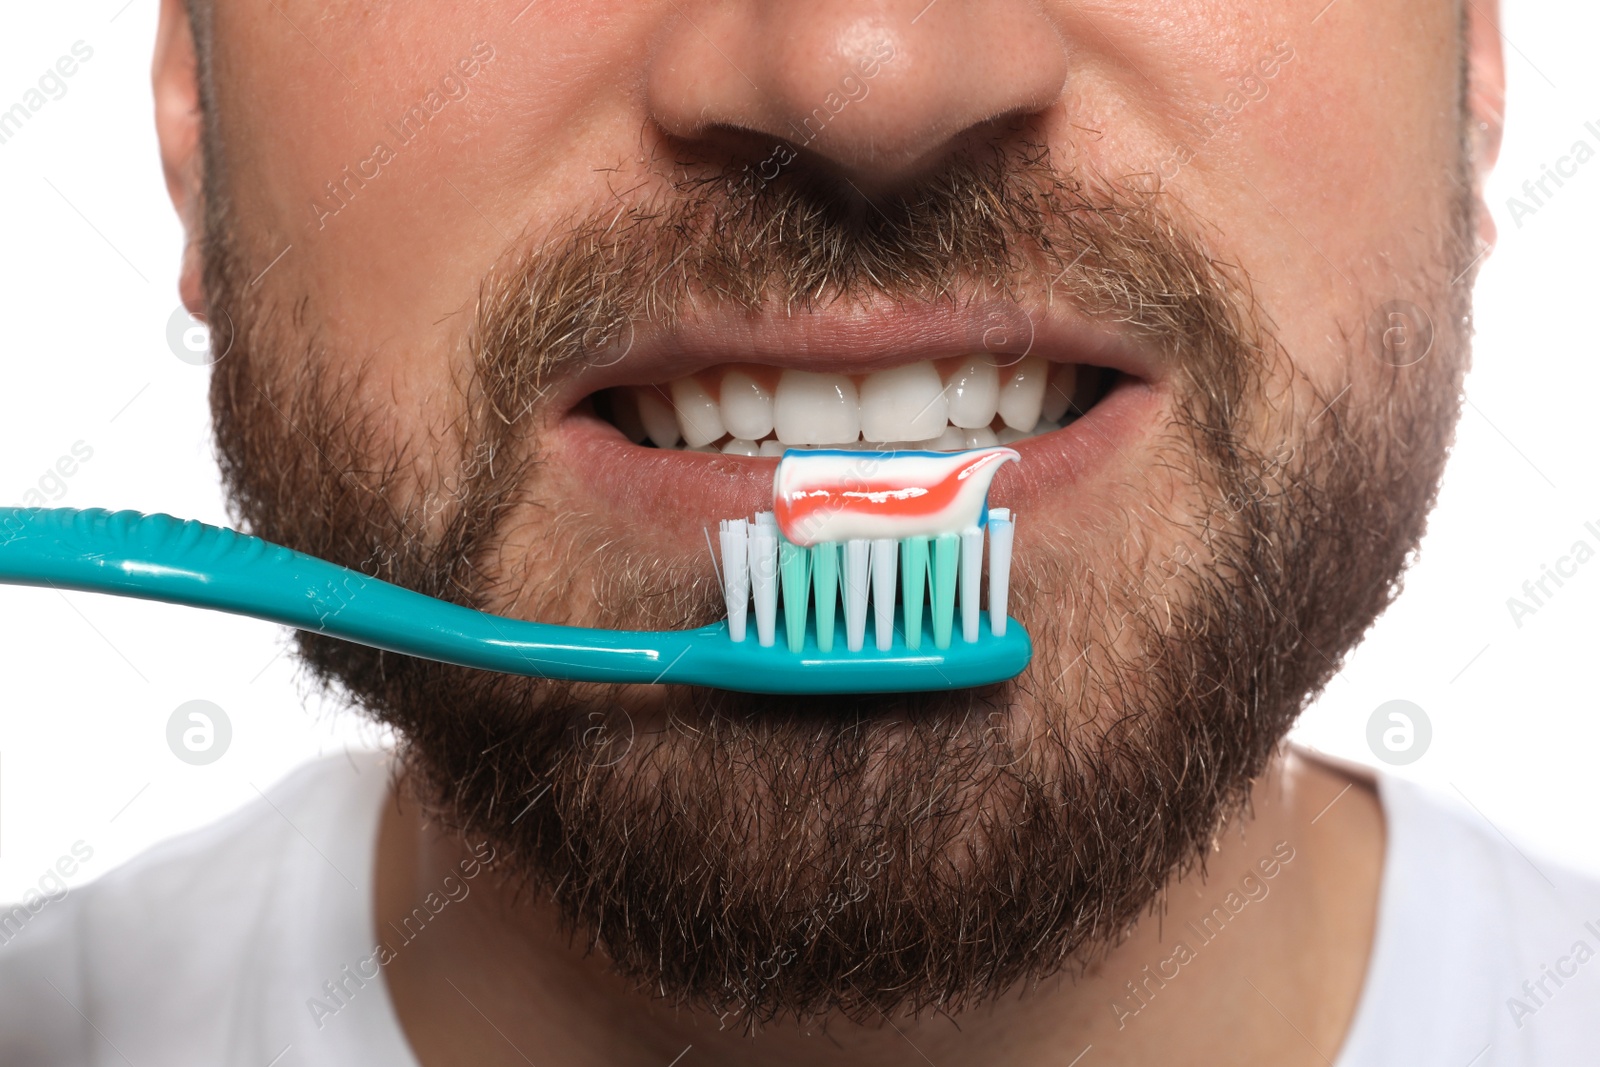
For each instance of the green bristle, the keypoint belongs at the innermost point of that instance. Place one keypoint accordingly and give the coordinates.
(913, 584)
(793, 571)
(946, 553)
(825, 579)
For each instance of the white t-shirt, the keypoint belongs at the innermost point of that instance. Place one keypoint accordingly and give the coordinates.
(252, 941)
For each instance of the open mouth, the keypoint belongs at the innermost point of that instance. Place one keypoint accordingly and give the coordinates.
(957, 402)
(686, 425)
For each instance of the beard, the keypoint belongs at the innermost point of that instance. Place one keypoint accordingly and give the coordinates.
(760, 857)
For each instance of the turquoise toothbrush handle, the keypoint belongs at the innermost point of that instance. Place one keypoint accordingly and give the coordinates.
(178, 561)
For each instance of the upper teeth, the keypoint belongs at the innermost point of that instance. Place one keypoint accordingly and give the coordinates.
(756, 410)
(815, 409)
(904, 404)
(973, 393)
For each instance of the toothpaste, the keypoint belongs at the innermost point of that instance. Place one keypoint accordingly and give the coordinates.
(829, 495)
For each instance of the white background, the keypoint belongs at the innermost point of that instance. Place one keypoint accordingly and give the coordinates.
(87, 683)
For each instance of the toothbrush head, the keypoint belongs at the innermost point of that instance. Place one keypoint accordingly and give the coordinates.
(914, 527)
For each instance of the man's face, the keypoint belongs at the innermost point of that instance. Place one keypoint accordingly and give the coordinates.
(456, 241)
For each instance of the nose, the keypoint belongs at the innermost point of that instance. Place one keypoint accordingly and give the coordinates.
(880, 88)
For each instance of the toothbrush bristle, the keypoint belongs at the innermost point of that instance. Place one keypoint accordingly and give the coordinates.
(734, 535)
(764, 578)
(927, 577)
(946, 552)
(913, 587)
(794, 567)
(825, 582)
(1000, 534)
(885, 555)
(856, 556)
(971, 571)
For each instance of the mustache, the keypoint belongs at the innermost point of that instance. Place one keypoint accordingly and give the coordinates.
(1002, 222)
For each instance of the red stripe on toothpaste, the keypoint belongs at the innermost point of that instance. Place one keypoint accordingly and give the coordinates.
(834, 495)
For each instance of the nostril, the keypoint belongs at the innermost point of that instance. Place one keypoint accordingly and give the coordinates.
(877, 97)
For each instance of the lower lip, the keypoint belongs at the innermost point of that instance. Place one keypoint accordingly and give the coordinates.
(681, 494)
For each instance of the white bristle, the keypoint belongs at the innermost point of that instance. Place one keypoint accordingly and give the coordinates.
(1001, 530)
(854, 573)
(764, 578)
(734, 535)
(970, 574)
(869, 574)
(885, 573)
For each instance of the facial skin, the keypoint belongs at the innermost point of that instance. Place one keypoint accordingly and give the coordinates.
(405, 394)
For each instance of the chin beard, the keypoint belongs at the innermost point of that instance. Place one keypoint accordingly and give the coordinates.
(763, 857)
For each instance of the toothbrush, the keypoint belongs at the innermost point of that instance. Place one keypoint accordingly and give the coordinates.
(856, 524)
(159, 557)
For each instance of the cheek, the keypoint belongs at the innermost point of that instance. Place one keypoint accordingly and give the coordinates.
(1335, 190)
(391, 201)
(1357, 134)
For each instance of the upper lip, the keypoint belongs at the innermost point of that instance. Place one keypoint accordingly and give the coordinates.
(858, 340)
